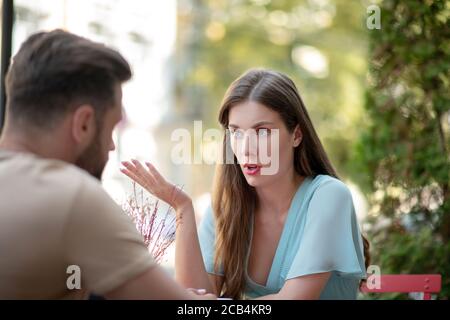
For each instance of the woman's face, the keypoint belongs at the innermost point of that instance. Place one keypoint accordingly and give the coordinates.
(261, 143)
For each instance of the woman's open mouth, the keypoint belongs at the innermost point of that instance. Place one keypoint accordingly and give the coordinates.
(252, 169)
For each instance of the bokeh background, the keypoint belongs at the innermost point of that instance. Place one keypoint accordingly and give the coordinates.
(379, 98)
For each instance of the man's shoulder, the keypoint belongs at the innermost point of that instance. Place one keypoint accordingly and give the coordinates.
(57, 179)
(69, 181)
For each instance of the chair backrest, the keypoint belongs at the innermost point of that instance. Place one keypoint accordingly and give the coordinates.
(425, 283)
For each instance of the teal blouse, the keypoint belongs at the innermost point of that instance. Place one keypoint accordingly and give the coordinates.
(321, 234)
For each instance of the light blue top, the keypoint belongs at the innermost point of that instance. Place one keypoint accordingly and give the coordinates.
(321, 234)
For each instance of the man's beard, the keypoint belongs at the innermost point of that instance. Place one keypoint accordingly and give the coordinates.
(91, 159)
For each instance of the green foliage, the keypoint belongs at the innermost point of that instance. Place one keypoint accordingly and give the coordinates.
(404, 151)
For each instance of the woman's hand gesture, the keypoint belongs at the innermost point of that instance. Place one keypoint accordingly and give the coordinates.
(151, 180)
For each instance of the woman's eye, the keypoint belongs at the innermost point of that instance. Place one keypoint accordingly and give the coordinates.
(237, 134)
(263, 132)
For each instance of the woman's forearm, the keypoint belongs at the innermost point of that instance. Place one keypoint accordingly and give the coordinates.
(189, 267)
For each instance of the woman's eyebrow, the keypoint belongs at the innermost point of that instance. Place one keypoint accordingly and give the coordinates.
(261, 123)
(257, 124)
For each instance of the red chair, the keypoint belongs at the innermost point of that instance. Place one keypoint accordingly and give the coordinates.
(406, 283)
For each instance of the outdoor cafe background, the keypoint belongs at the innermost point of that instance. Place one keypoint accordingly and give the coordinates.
(379, 98)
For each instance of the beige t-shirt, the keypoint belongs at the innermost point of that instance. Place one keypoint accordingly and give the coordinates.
(54, 215)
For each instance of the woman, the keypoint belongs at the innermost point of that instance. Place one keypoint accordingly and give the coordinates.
(291, 234)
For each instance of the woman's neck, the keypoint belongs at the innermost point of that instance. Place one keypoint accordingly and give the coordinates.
(276, 198)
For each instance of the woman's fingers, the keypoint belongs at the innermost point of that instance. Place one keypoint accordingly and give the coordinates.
(201, 294)
(131, 169)
(154, 172)
(136, 172)
(140, 168)
(130, 174)
(196, 291)
(149, 178)
(146, 174)
(170, 190)
(129, 166)
(133, 177)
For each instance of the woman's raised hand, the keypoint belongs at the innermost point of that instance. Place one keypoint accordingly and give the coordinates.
(151, 180)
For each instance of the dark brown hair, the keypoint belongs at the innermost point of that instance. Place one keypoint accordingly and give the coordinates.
(54, 72)
(233, 199)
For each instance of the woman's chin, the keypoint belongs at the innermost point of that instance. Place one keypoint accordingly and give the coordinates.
(255, 181)
(250, 180)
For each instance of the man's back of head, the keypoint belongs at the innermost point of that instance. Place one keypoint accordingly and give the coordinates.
(64, 92)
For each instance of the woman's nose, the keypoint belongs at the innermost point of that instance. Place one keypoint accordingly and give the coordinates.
(250, 145)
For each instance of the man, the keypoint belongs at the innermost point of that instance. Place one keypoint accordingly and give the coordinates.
(64, 98)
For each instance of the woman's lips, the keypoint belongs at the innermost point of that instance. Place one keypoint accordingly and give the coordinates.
(252, 169)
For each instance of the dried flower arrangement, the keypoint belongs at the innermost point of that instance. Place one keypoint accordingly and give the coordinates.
(157, 229)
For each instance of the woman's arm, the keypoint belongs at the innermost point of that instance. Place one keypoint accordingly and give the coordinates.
(189, 267)
(301, 288)
(152, 284)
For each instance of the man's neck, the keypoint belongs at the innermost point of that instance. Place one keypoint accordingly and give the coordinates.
(43, 147)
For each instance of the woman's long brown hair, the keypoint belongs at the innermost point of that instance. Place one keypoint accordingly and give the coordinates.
(233, 199)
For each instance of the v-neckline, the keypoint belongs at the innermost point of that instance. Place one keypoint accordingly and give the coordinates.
(284, 233)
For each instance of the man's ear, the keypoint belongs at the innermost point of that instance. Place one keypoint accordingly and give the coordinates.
(83, 125)
(298, 136)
